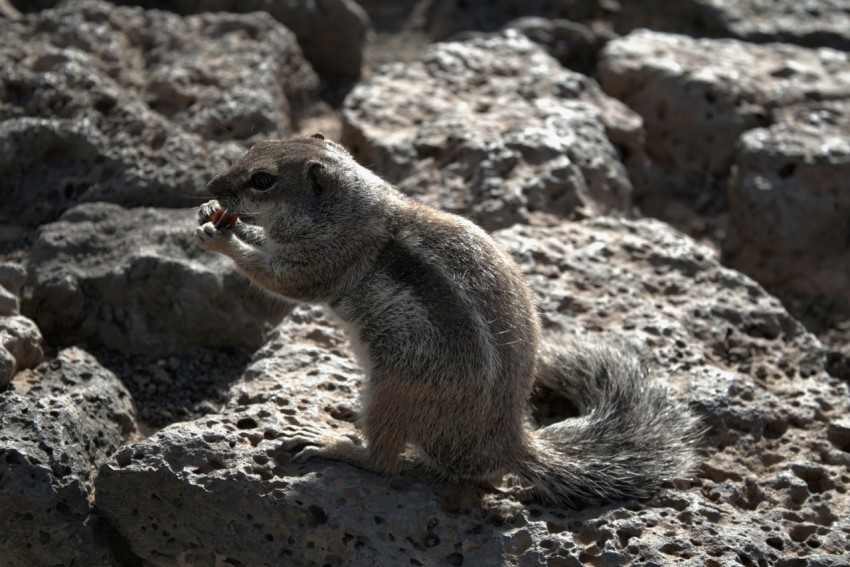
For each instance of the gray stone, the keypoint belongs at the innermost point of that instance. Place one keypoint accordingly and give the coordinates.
(813, 23)
(7, 10)
(332, 33)
(134, 280)
(838, 360)
(769, 488)
(493, 128)
(54, 163)
(447, 17)
(58, 423)
(790, 200)
(839, 433)
(20, 346)
(9, 304)
(8, 367)
(12, 276)
(575, 45)
(134, 107)
(697, 96)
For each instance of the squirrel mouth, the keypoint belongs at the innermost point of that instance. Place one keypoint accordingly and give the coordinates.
(224, 218)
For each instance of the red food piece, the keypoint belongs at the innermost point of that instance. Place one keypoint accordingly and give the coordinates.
(222, 218)
(229, 219)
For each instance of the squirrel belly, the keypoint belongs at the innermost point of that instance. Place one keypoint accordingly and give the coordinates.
(445, 327)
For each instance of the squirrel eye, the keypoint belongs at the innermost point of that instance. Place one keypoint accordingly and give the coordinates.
(262, 180)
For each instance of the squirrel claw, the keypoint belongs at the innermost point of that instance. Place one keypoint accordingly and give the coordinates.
(298, 442)
(207, 210)
(298, 438)
(307, 453)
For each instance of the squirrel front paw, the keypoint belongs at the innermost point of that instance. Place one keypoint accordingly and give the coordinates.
(206, 211)
(213, 239)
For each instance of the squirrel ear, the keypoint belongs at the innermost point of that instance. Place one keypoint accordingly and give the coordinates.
(318, 136)
(315, 170)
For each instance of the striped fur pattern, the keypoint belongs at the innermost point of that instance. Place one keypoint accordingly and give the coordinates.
(446, 330)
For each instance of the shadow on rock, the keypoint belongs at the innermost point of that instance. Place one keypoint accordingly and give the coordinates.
(178, 387)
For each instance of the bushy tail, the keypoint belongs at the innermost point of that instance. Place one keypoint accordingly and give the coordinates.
(631, 436)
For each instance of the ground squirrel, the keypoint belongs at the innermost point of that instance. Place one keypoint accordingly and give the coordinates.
(444, 326)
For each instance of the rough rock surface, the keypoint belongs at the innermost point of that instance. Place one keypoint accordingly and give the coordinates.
(495, 129)
(134, 107)
(447, 17)
(749, 369)
(574, 45)
(790, 201)
(12, 276)
(813, 23)
(332, 33)
(134, 280)
(103, 103)
(20, 346)
(180, 386)
(697, 96)
(58, 423)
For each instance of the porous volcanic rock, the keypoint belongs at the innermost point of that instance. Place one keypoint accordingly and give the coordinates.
(58, 423)
(771, 486)
(575, 45)
(790, 201)
(136, 107)
(12, 276)
(813, 23)
(332, 33)
(495, 129)
(20, 346)
(134, 280)
(697, 96)
(447, 17)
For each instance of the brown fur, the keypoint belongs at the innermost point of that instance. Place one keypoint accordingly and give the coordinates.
(445, 327)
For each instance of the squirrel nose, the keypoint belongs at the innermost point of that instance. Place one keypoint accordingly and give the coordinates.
(216, 186)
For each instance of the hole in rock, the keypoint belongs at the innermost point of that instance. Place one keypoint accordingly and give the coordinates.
(246, 423)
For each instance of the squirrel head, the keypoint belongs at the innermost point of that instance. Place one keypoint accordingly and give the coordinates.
(298, 188)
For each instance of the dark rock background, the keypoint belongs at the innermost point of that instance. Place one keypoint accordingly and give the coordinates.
(676, 174)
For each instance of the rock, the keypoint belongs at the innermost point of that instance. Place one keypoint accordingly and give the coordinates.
(697, 96)
(8, 367)
(137, 108)
(134, 280)
(769, 489)
(20, 346)
(332, 33)
(58, 423)
(12, 276)
(9, 304)
(187, 386)
(575, 45)
(493, 128)
(813, 23)
(789, 202)
(447, 17)
(8, 11)
(838, 362)
(839, 433)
